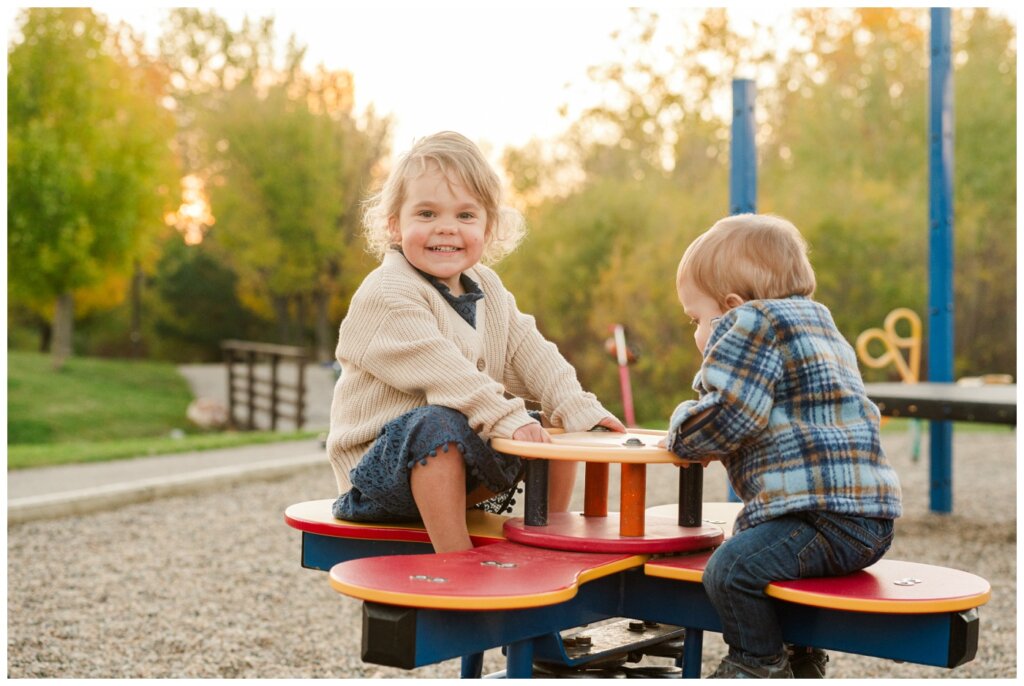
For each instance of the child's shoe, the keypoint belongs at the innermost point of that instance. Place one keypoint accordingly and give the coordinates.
(731, 668)
(808, 663)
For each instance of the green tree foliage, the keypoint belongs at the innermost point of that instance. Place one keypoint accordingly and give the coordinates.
(194, 305)
(285, 162)
(89, 165)
(842, 142)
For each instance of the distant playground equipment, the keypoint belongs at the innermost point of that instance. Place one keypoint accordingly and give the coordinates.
(623, 355)
(894, 346)
(909, 367)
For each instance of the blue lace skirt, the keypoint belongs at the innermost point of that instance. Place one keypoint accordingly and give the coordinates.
(380, 482)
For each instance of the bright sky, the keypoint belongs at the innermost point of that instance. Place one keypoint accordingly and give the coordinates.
(497, 73)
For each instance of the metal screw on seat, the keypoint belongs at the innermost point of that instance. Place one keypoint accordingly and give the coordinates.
(908, 581)
(633, 443)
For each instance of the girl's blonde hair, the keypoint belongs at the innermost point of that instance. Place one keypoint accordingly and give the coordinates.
(461, 161)
(755, 256)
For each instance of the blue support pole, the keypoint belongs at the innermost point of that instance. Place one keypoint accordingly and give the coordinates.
(940, 248)
(742, 162)
(743, 151)
(472, 666)
(519, 659)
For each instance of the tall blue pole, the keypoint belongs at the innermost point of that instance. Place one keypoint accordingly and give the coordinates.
(743, 151)
(940, 248)
(742, 162)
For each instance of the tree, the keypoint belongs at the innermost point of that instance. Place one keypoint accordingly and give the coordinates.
(286, 163)
(89, 167)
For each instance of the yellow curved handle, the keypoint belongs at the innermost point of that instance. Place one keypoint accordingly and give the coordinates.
(909, 369)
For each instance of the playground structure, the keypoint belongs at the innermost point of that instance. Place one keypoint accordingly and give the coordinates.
(536, 589)
(893, 346)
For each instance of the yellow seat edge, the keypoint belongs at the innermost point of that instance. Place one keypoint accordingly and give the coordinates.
(916, 607)
(654, 569)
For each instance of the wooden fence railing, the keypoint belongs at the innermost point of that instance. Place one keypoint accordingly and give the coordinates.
(252, 390)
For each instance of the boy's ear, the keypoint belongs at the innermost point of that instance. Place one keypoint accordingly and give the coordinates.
(732, 300)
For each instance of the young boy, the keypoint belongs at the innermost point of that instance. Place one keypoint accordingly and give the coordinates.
(782, 405)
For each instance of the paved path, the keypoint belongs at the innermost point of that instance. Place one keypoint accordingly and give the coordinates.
(62, 490)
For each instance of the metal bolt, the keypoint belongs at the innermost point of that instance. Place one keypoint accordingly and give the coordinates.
(908, 581)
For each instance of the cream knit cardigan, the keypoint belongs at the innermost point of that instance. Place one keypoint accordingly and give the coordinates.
(402, 346)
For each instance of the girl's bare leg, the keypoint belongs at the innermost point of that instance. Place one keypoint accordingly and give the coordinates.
(561, 480)
(439, 489)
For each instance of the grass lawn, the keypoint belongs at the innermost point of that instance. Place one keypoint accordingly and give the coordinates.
(96, 409)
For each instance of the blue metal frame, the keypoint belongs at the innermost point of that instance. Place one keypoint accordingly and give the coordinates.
(742, 165)
(942, 639)
(743, 149)
(940, 248)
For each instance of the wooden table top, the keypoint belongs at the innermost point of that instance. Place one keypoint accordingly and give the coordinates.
(636, 446)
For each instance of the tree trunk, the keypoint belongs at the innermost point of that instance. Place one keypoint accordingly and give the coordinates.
(63, 329)
(284, 329)
(45, 335)
(135, 335)
(322, 328)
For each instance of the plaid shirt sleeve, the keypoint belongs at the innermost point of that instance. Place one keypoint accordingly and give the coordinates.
(736, 385)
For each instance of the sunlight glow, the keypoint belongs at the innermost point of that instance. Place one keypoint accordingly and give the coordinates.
(193, 218)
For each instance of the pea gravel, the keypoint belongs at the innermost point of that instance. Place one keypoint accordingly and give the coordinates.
(209, 585)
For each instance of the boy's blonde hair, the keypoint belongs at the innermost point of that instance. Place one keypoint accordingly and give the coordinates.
(755, 256)
(461, 161)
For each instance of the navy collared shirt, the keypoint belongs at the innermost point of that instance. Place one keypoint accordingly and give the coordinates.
(464, 304)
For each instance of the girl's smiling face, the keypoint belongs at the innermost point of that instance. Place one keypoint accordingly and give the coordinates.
(441, 227)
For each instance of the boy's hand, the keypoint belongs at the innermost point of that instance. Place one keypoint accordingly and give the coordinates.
(532, 432)
(704, 461)
(612, 424)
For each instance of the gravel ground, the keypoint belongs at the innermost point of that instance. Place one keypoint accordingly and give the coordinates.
(193, 586)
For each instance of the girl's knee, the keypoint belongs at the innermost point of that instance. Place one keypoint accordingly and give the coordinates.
(438, 415)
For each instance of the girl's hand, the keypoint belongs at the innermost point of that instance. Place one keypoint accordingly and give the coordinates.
(613, 424)
(532, 432)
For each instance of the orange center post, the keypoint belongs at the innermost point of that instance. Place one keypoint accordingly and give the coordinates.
(597, 530)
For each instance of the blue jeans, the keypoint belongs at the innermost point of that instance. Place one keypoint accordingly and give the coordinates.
(794, 546)
(380, 481)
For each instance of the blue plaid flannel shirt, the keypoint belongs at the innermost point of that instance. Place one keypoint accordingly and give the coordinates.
(788, 415)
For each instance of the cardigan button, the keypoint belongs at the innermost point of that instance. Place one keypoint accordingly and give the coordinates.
(480, 364)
